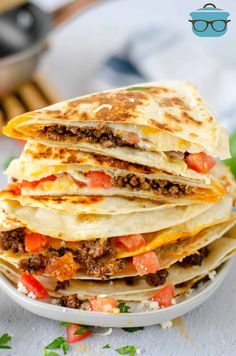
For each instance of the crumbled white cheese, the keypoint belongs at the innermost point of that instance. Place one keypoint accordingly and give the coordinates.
(102, 295)
(166, 324)
(54, 301)
(103, 106)
(148, 305)
(212, 275)
(189, 292)
(85, 306)
(32, 295)
(132, 100)
(21, 288)
(103, 333)
(173, 301)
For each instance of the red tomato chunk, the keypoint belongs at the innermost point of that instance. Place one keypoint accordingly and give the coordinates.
(200, 162)
(146, 263)
(73, 337)
(100, 304)
(130, 242)
(164, 296)
(98, 180)
(33, 285)
(35, 242)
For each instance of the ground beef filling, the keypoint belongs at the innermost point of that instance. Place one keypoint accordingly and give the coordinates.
(96, 257)
(103, 135)
(12, 240)
(70, 301)
(160, 187)
(158, 278)
(196, 258)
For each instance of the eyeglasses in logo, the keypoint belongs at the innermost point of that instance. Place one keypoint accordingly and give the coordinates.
(209, 21)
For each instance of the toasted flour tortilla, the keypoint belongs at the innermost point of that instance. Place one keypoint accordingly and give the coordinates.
(87, 204)
(72, 227)
(172, 253)
(220, 251)
(216, 214)
(168, 253)
(13, 275)
(128, 159)
(74, 179)
(166, 116)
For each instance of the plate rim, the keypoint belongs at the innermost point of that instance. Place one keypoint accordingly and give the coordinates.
(19, 298)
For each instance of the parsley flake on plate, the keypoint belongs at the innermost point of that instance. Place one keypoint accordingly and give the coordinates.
(127, 350)
(4, 339)
(231, 162)
(132, 330)
(107, 346)
(123, 308)
(58, 343)
(81, 330)
(64, 323)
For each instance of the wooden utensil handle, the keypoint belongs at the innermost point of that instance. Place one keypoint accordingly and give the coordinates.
(7, 5)
(62, 14)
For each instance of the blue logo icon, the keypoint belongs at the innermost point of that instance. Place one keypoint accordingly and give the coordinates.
(209, 21)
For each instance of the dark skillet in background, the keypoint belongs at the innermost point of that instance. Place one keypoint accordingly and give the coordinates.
(23, 33)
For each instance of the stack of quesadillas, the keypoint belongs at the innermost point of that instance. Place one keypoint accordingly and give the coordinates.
(117, 196)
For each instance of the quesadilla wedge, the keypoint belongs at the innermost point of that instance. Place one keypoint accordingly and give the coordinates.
(104, 258)
(140, 289)
(130, 124)
(78, 227)
(98, 175)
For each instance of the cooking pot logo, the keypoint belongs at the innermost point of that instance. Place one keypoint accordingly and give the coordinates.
(209, 21)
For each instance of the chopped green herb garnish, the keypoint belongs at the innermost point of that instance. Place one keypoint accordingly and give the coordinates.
(81, 330)
(132, 330)
(50, 353)
(64, 323)
(137, 88)
(8, 161)
(58, 343)
(107, 346)
(127, 350)
(231, 163)
(123, 308)
(4, 339)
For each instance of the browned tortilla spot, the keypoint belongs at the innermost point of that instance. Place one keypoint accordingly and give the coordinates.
(187, 118)
(174, 102)
(161, 126)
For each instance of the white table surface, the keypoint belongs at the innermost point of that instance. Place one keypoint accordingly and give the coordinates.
(77, 51)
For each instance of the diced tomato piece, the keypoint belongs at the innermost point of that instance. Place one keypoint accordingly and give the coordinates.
(73, 337)
(200, 162)
(164, 296)
(99, 304)
(130, 242)
(35, 242)
(133, 138)
(14, 188)
(22, 142)
(98, 180)
(146, 263)
(80, 184)
(33, 285)
(34, 184)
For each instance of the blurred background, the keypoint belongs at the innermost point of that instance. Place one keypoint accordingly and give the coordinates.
(103, 44)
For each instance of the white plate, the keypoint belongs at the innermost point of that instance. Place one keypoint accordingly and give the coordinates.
(55, 312)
